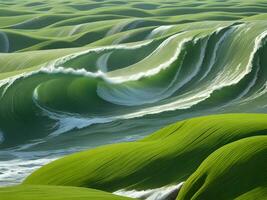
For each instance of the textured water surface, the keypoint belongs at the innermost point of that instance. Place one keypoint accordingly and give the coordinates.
(79, 74)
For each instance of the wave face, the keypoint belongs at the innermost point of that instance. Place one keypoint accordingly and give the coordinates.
(74, 85)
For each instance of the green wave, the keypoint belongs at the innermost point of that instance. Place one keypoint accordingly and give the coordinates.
(75, 75)
(235, 171)
(184, 70)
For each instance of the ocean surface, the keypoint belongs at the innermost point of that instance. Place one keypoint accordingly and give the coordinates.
(143, 73)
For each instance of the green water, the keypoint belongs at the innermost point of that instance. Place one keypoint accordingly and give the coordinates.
(79, 74)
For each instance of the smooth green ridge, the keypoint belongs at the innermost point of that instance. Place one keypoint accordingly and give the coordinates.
(37, 192)
(235, 171)
(168, 156)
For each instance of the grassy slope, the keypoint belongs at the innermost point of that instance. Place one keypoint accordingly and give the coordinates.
(259, 193)
(55, 193)
(237, 170)
(168, 156)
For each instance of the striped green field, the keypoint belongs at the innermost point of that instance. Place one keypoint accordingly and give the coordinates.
(170, 156)
(38, 192)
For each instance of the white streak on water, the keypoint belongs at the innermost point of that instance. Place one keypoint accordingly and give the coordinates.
(215, 51)
(52, 69)
(117, 28)
(67, 122)
(159, 31)
(102, 62)
(196, 70)
(262, 91)
(137, 45)
(168, 91)
(13, 171)
(155, 70)
(258, 44)
(251, 84)
(7, 84)
(152, 194)
(216, 84)
(75, 29)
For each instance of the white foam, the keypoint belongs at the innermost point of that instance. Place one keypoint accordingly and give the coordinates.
(51, 68)
(8, 82)
(102, 62)
(137, 45)
(22, 163)
(263, 89)
(117, 28)
(153, 70)
(66, 121)
(216, 84)
(248, 88)
(75, 29)
(13, 171)
(259, 93)
(189, 99)
(168, 91)
(159, 31)
(151, 194)
(216, 48)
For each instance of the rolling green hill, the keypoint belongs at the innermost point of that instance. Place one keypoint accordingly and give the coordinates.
(235, 171)
(55, 193)
(166, 157)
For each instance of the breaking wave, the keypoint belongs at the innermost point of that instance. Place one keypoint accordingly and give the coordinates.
(173, 73)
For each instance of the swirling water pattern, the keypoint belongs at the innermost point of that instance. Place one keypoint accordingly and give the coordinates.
(118, 81)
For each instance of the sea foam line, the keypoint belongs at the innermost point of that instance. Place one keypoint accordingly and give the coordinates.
(156, 69)
(216, 48)
(159, 30)
(182, 103)
(162, 193)
(187, 102)
(51, 69)
(167, 91)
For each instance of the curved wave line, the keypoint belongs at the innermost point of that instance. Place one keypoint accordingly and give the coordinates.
(162, 193)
